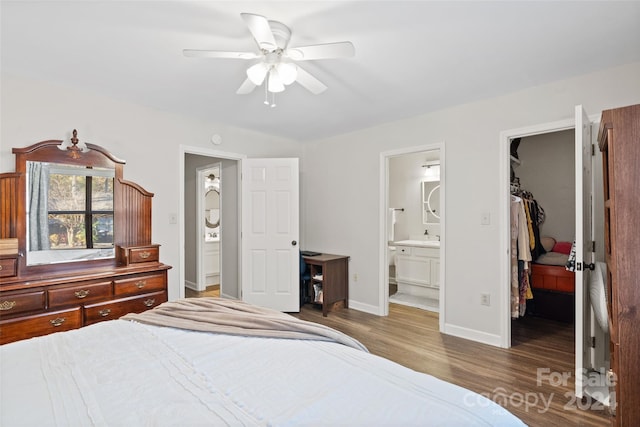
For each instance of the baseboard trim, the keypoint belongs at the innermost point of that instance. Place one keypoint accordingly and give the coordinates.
(191, 285)
(367, 308)
(473, 335)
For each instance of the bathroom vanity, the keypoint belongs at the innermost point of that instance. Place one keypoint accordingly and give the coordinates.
(418, 269)
(212, 264)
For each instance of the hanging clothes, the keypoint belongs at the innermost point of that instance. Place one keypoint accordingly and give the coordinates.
(516, 204)
(526, 217)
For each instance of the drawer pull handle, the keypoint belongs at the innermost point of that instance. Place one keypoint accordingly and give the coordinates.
(82, 294)
(145, 255)
(7, 305)
(57, 321)
(0, 268)
(104, 312)
(149, 302)
(141, 284)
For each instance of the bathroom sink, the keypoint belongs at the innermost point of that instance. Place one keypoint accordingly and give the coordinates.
(419, 243)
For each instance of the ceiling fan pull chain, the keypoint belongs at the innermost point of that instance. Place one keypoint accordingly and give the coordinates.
(273, 99)
(266, 93)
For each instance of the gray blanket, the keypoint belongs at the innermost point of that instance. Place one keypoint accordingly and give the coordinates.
(234, 317)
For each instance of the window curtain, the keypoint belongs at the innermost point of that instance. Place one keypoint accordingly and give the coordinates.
(38, 214)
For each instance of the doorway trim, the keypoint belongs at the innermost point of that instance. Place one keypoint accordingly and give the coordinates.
(383, 273)
(504, 207)
(207, 152)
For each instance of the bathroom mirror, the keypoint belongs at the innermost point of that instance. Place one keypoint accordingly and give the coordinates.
(431, 202)
(212, 207)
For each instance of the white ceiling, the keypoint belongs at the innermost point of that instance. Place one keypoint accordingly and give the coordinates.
(411, 57)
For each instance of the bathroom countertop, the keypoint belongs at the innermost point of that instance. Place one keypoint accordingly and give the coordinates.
(418, 243)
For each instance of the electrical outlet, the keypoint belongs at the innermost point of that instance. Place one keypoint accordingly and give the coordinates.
(485, 218)
(355, 277)
(485, 299)
(173, 218)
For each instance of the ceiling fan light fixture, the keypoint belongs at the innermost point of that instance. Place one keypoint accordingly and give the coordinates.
(257, 73)
(275, 82)
(277, 66)
(288, 72)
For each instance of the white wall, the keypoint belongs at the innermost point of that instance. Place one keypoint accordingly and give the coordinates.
(149, 140)
(341, 206)
(339, 176)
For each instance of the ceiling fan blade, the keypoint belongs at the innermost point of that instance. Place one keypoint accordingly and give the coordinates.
(218, 54)
(322, 51)
(246, 87)
(309, 82)
(261, 31)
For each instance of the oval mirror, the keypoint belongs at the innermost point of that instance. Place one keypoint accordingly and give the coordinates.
(433, 201)
(212, 207)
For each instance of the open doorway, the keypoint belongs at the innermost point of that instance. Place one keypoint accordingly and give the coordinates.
(543, 227)
(204, 280)
(412, 247)
(197, 258)
(562, 292)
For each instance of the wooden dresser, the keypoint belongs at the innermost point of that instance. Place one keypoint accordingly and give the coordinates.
(619, 141)
(92, 278)
(36, 306)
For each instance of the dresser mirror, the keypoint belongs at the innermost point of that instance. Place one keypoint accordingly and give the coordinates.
(69, 212)
(70, 206)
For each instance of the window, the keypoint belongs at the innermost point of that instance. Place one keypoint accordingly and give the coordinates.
(80, 207)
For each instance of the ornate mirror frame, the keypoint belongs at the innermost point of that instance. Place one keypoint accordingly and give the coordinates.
(131, 203)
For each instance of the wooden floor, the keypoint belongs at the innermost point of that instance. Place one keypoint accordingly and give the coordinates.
(210, 291)
(525, 379)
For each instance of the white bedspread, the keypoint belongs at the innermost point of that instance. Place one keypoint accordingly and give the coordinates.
(120, 373)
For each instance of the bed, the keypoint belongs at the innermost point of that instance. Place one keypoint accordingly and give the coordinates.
(251, 366)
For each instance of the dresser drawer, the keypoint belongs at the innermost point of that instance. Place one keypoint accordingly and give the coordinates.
(117, 308)
(39, 324)
(138, 254)
(146, 254)
(8, 267)
(79, 294)
(12, 303)
(140, 284)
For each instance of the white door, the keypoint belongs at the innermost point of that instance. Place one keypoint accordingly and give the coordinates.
(270, 233)
(584, 248)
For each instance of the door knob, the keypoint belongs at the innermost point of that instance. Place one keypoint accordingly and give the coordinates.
(293, 243)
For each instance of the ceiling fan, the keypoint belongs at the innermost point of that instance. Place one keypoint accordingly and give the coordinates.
(277, 63)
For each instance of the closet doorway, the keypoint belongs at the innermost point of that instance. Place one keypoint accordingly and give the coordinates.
(412, 228)
(542, 187)
(549, 285)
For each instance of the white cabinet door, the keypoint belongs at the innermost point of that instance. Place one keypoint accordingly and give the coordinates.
(435, 272)
(270, 233)
(212, 260)
(418, 266)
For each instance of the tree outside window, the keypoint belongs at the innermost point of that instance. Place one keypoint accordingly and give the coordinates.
(80, 209)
